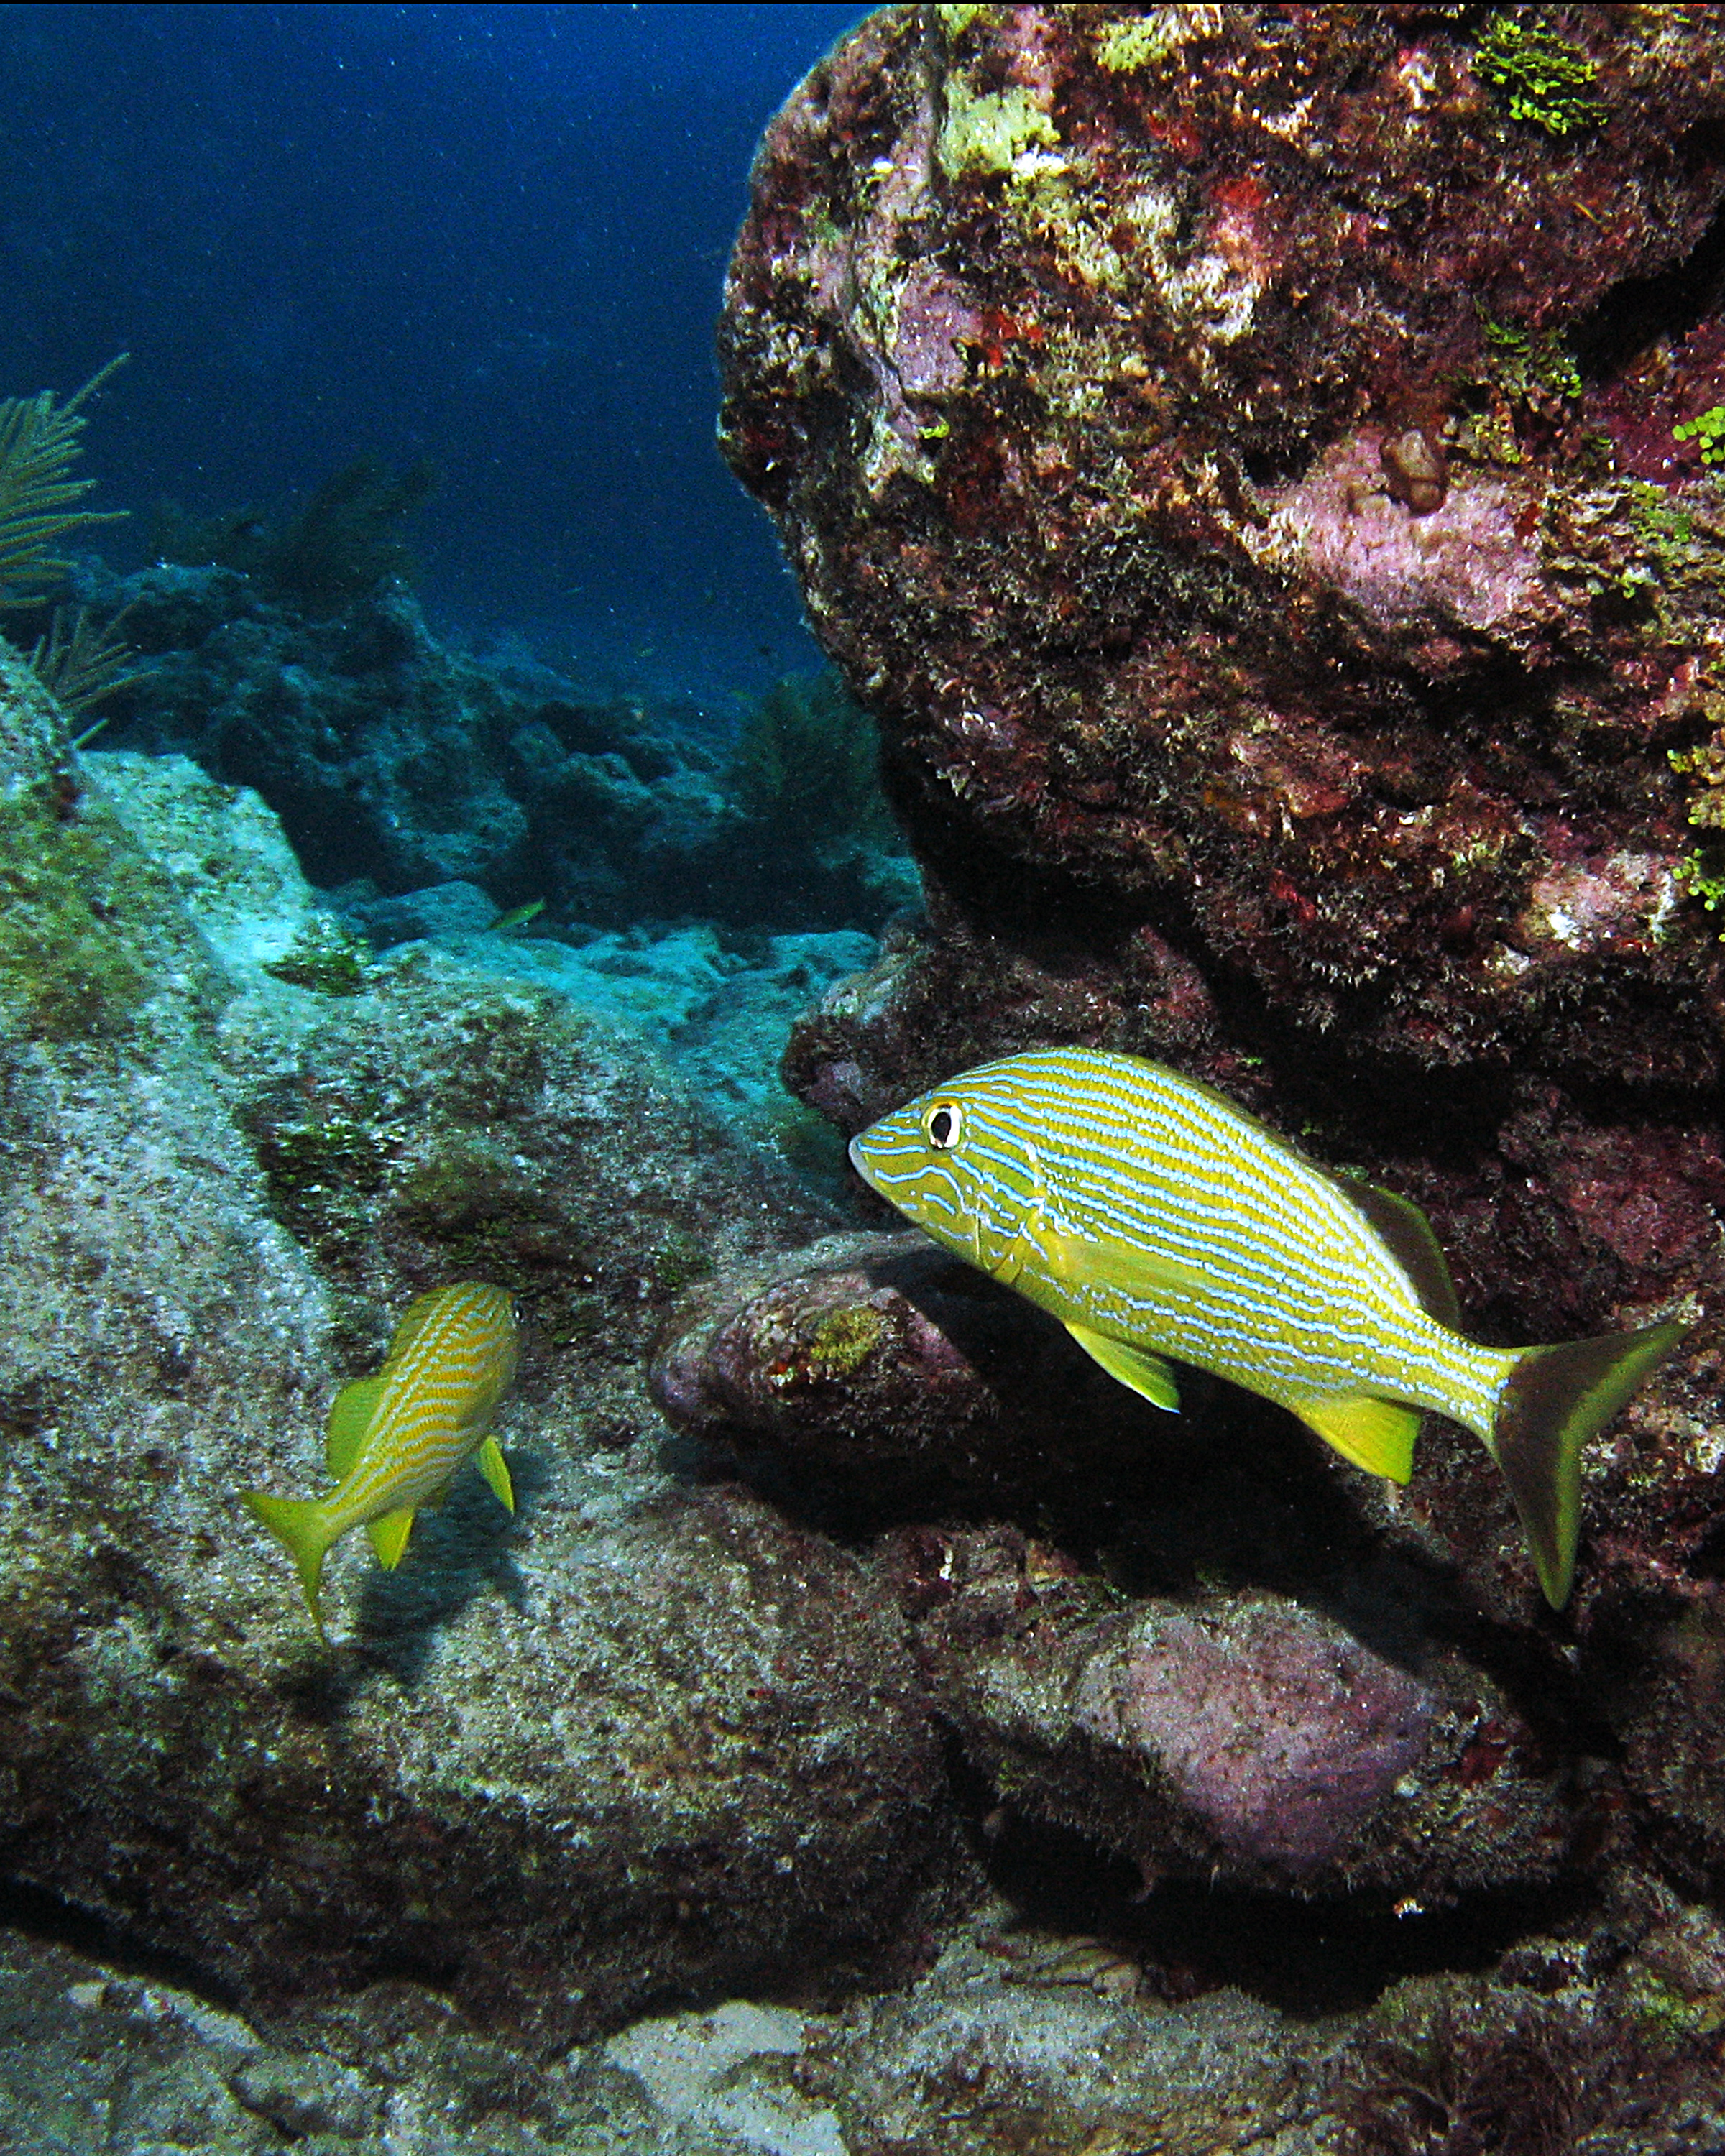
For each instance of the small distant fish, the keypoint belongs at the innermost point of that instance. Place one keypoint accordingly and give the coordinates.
(1080, 1960)
(1153, 1217)
(395, 1440)
(518, 916)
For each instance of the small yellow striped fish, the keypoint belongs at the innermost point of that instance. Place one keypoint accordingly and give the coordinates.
(395, 1441)
(1153, 1217)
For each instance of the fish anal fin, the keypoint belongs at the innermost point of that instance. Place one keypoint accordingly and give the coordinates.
(350, 1418)
(1412, 1243)
(1135, 1367)
(389, 1536)
(1101, 1261)
(1556, 1399)
(1376, 1435)
(495, 1468)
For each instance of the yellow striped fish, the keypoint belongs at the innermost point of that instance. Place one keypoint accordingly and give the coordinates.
(1153, 1217)
(395, 1440)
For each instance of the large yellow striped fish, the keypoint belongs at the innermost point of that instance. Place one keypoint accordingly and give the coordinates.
(395, 1440)
(1153, 1217)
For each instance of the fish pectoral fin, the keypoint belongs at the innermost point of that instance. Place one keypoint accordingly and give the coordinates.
(493, 1466)
(1104, 1261)
(389, 1536)
(1376, 1435)
(1135, 1367)
(350, 1418)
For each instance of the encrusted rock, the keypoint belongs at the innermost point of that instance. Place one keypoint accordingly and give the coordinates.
(1252, 478)
(1209, 440)
(1248, 1739)
(887, 1371)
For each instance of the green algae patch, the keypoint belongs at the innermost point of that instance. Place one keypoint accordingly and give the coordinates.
(989, 132)
(326, 1174)
(326, 958)
(956, 21)
(844, 1341)
(1530, 367)
(680, 1261)
(67, 968)
(1136, 43)
(1546, 79)
(1708, 428)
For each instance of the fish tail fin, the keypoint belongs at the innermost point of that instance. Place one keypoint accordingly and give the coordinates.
(1556, 1399)
(301, 1525)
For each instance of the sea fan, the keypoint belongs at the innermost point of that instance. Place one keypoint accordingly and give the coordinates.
(38, 442)
(81, 663)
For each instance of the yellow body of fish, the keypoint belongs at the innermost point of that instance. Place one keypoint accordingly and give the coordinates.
(396, 1440)
(1155, 1218)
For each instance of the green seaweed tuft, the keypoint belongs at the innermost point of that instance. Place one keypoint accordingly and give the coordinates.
(806, 767)
(1547, 79)
(337, 548)
(327, 958)
(1708, 428)
(1530, 367)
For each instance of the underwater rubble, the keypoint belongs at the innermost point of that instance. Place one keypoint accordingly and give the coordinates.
(398, 761)
(222, 1181)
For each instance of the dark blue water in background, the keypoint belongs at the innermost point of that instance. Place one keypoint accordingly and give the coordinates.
(494, 237)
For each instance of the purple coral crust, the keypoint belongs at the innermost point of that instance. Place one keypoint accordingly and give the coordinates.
(1282, 1739)
(1248, 1740)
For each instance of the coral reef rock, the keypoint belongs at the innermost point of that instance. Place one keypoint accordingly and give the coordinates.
(643, 1737)
(1244, 1740)
(1251, 465)
(1213, 443)
(401, 766)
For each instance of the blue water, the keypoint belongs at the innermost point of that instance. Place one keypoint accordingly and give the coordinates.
(494, 237)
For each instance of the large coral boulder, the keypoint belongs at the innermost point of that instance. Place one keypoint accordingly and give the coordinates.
(1232, 450)
(1254, 463)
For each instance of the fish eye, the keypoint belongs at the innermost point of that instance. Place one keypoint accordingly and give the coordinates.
(942, 1124)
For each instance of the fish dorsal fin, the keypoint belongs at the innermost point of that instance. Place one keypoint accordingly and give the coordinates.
(1135, 1367)
(494, 1469)
(414, 1319)
(350, 1418)
(389, 1536)
(1412, 1243)
(1375, 1435)
(1105, 1261)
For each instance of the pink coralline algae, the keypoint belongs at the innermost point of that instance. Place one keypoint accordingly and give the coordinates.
(1246, 1739)
(1282, 1742)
